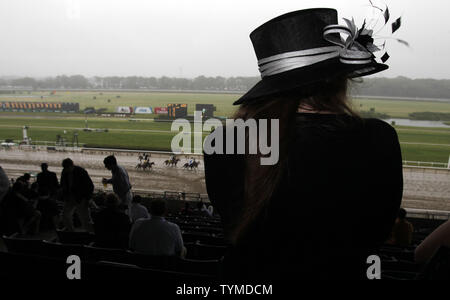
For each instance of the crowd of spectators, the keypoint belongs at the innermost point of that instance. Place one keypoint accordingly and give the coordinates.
(118, 219)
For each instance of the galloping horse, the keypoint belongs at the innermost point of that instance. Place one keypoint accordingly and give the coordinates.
(193, 165)
(145, 165)
(171, 162)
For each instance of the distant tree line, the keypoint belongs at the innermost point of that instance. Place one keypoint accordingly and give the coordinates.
(387, 87)
(430, 116)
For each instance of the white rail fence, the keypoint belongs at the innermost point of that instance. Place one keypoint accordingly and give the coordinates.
(428, 164)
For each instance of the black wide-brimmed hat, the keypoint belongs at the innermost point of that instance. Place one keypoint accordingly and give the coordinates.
(302, 49)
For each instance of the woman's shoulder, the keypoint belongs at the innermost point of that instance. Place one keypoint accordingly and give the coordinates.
(378, 124)
(379, 129)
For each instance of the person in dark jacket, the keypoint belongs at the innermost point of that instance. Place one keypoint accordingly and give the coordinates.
(332, 196)
(18, 213)
(47, 181)
(111, 225)
(77, 188)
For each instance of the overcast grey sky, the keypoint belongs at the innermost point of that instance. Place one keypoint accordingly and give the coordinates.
(189, 38)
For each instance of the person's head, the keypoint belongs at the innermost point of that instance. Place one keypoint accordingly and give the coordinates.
(158, 208)
(137, 199)
(26, 177)
(67, 164)
(44, 167)
(112, 201)
(99, 198)
(110, 162)
(401, 213)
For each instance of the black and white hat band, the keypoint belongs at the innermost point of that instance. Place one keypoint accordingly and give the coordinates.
(349, 51)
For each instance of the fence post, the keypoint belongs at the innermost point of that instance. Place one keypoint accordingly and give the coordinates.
(448, 166)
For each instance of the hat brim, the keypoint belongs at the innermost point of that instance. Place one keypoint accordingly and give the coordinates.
(307, 77)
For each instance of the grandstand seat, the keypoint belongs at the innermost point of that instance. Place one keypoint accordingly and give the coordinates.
(398, 275)
(82, 237)
(152, 261)
(106, 254)
(214, 240)
(59, 250)
(106, 270)
(203, 237)
(193, 237)
(205, 252)
(397, 253)
(32, 267)
(206, 267)
(401, 265)
(111, 270)
(23, 245)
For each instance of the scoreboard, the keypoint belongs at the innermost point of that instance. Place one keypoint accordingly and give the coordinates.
(206, 109)
(177, 110)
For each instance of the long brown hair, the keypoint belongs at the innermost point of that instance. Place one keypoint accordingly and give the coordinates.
(261, 181)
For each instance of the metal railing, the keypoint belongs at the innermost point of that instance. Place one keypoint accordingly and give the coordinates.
(428, 214)
(429, 164)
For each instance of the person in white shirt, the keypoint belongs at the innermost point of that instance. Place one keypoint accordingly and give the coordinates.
(137, 210)
(157, 236)
(120, 180)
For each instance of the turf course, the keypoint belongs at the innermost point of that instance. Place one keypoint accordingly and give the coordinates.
(223, 102)
(418, 144)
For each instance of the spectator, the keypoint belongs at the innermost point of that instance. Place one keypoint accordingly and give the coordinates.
(111, 225)
(402, 230)
(137, 210)
(33, 192)
(47, 181)
(327, 159)
(202, 210)
(25, 178)
(157, 236)
(4, 184)
(20, 216)
(77, 189)
(187, 209)
(120, 180)
(49, 209)
(27, 192)
(440, 237)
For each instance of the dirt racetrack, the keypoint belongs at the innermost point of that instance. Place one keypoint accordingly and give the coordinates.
(160, 178)
(424, 188)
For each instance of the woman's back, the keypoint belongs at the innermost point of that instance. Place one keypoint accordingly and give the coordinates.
(337, 199)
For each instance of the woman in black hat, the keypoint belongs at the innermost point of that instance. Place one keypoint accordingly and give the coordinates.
(333, 196)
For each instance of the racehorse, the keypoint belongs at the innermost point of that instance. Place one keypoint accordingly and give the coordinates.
(171, 162)
(193, 165)
(144, 166)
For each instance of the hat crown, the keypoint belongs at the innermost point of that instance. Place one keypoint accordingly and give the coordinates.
(298, 30)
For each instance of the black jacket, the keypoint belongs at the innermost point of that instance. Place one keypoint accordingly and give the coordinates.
(47, 181)
(336, 203)
(82, 186)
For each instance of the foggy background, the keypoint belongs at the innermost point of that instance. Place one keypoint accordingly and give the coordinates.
(188, 38)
